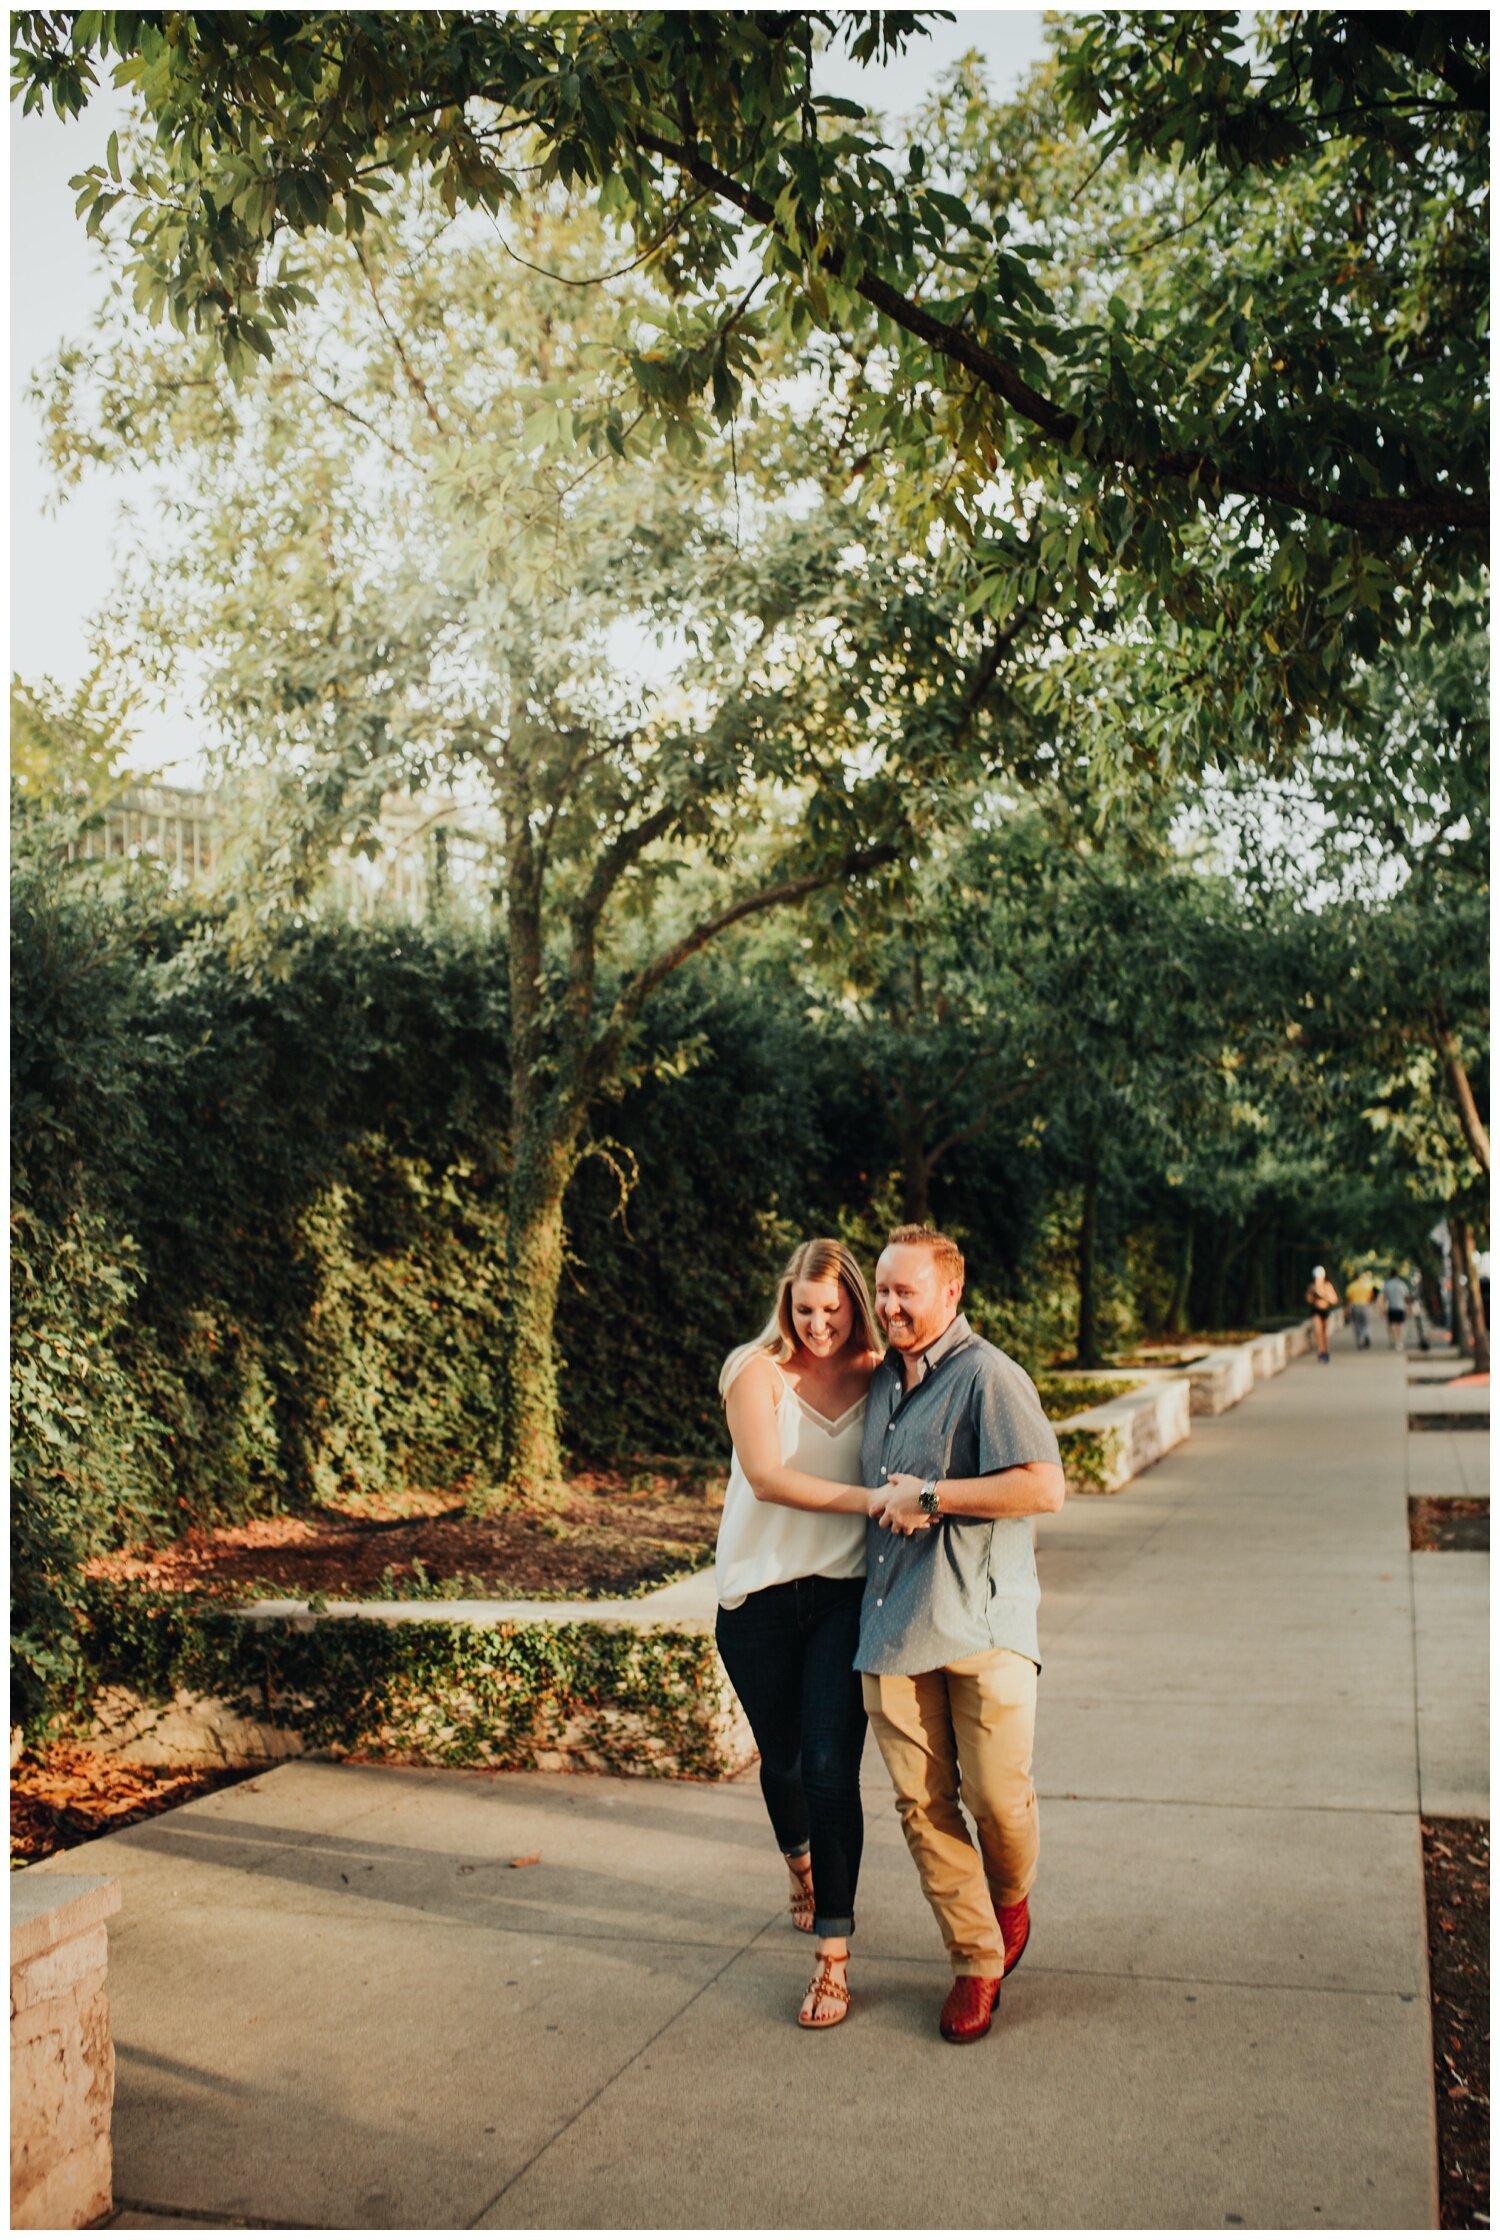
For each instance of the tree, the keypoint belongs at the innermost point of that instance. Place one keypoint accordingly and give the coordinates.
(1385, 834)
(1095, 988)
(351, 631)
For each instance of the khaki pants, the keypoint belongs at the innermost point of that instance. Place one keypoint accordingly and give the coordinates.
(964, 1734)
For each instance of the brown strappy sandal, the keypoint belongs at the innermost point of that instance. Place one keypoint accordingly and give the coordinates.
(801, 1905)
(826, 1985)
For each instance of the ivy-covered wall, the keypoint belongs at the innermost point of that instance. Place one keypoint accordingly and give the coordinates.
(613, 1698)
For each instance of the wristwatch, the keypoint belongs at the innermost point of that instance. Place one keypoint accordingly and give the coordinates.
(927, 1499)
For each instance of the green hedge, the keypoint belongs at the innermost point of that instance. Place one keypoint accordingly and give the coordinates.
(258, 1229)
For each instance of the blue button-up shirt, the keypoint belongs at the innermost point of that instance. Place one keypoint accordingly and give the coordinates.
(966, 1583)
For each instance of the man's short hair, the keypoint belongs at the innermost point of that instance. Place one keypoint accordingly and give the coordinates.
(950, 1261)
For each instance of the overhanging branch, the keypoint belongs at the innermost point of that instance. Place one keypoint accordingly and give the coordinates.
(636, 991)
(1427, 512)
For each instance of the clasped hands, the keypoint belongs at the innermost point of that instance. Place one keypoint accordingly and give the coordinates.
(897, 1504)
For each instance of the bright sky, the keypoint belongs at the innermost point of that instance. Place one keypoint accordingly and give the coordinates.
(64, 559)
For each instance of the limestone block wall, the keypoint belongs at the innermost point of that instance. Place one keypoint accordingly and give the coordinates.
(1221, 1379)
(191, 1730)
(1268, 1354)
(1103, 1448)
(335, 1687)
(62, 2063)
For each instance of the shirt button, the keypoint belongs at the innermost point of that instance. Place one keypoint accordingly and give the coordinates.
(882, 1559)
(880, 1602)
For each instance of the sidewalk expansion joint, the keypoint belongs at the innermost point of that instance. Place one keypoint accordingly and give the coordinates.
(601, 1932)
(597, 2095)
(1210, 1984)
(210, 2217)
(1228, 1804)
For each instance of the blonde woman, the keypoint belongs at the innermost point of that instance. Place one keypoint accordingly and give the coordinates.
(790, 1572)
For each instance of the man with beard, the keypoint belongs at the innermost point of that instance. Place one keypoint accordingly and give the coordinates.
(956, 1439)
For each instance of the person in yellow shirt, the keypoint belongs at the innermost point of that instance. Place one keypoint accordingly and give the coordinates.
(1359, 1296)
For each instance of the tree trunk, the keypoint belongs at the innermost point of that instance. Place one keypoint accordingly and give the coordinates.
(916, 1179)
(1182, 1285)
(1089, 1355)
(529, 1451)
(1251, 1281)
(1219, 1280)
(1461, 1090)
(1258, 1308)
(1466, 1269)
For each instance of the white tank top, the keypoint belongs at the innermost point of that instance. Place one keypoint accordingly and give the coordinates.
(765, 1544)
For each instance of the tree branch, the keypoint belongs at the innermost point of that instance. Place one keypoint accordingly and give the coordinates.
(617, 858)
(998, 1099)
(417, 383)
(1429, 510)
(635, 992)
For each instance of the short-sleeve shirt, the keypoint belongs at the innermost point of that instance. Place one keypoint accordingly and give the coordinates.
(967, 1583)
(1397, 1295)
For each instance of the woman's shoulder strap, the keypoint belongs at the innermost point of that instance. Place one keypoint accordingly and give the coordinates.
(741, 1359)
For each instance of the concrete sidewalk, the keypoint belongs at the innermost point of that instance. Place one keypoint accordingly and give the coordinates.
(337, 2003)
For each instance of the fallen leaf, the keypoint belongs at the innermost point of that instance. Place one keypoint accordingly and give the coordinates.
(532, 1859)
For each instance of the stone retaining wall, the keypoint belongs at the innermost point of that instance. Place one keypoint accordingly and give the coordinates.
(251, 1686)
(188, 1730)
(62, 2063)
(1221, 1379)
(1104, 1447)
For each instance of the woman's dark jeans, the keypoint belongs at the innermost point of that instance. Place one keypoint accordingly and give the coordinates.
(789, 1652)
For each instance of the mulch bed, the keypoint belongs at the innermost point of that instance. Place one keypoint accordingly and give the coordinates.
(1456, 1856)
(1440, 1525)
(610, 1533)
(64, 1794)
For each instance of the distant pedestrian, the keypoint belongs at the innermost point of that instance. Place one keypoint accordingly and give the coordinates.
(1397, 1299)
(1322, 1298)
(1359, 1296)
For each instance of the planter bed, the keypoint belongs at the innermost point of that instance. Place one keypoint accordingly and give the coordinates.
(590, 1685)
(557, 1687)
(1104, 1447)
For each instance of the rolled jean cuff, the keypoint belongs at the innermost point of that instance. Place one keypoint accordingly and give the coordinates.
(833, 1924)
(799, 1851)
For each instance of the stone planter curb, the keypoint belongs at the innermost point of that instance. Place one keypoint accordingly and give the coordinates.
(62, 2063)
(1104, 1447)
(615, 1733)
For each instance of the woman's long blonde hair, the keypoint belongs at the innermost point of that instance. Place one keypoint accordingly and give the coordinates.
(820, 1256)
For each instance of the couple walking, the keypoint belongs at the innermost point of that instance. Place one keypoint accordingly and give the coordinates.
(875, 1563)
